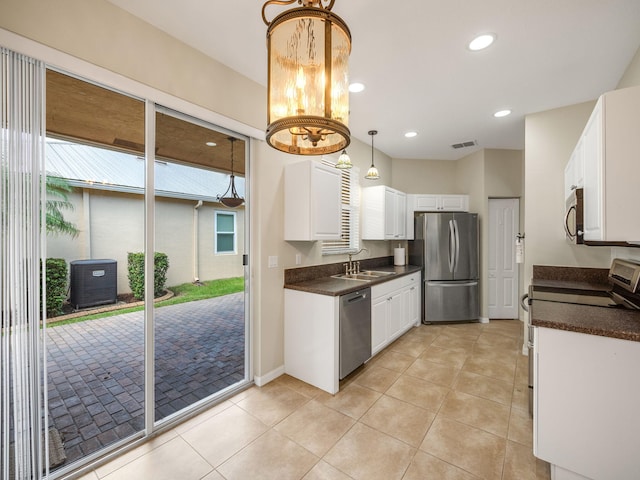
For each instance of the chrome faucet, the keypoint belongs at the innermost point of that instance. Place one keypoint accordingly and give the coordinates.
(353, 267)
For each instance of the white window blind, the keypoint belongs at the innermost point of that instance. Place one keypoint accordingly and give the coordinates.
(22, 230)
(350, 219)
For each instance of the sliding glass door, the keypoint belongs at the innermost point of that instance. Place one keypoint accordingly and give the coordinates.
(200, 331)
(134, 192)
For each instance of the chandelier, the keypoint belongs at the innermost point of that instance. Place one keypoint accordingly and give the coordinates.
(372, 173)
(308, 51)
(230, 198)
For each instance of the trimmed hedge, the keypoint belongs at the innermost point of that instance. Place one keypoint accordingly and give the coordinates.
(56, 276)
(135, 263)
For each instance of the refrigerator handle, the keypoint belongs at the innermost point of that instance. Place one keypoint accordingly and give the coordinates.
(452, 246)
(457, 241)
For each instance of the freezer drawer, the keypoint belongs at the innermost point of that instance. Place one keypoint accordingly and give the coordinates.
(451, 301)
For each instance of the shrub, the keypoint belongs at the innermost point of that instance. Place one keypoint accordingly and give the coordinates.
(56, 276)
(135, 261)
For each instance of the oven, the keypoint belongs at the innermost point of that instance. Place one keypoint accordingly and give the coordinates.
(574, 217)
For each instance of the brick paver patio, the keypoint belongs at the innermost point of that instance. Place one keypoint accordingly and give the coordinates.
(96, 376)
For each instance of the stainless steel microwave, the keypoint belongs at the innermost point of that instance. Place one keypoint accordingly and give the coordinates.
(574, 217)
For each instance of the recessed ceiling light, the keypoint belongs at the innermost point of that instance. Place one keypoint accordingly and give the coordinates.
(482, 41)
(211, 144)
(502, 113)
(356, 87)
(410, 134)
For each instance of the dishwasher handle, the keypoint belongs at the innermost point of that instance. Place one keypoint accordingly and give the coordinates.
(357, 298)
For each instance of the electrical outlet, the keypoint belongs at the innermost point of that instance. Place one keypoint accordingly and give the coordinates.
(273, 261)
(298, 259)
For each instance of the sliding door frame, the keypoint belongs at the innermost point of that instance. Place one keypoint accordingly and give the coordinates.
(73, 66)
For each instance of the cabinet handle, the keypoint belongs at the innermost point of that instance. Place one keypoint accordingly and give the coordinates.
(413, 288)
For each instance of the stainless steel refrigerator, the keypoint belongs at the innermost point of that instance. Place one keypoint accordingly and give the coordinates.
(446, 246)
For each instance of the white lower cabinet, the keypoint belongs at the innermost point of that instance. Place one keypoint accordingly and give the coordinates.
(586, 397)
(311, 338)
(312, 328)
(394, 309)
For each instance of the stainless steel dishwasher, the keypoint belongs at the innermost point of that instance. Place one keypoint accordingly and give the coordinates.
(355, 330)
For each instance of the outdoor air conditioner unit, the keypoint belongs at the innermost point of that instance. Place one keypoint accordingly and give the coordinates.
(93, 282)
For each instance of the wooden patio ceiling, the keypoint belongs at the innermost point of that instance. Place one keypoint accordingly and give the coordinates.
(84, 112)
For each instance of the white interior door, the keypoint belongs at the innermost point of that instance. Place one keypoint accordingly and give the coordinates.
(504, 220)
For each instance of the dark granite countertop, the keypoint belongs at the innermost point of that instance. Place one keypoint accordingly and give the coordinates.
(569, 286)
(606, 322)
(338, 286)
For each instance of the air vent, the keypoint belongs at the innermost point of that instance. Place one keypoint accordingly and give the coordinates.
(465, 144)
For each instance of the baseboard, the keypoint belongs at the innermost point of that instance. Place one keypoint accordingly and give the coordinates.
(483, 319)
(268, 377)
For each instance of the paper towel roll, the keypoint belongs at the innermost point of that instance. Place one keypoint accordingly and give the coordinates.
(398, 256)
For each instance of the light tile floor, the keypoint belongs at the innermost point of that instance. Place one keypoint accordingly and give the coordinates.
(442, 402)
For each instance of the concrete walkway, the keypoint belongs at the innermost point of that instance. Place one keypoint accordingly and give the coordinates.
(96, 376)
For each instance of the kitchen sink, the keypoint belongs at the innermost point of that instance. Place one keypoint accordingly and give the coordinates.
(375, 273)
(354, 276)
(364, 276)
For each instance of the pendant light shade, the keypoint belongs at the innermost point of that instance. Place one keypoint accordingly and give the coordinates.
(372, 173)
(230, 198)
(344, 162)
(308, 79)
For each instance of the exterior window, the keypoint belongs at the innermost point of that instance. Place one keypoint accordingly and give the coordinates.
(350, 220)
(225, 232)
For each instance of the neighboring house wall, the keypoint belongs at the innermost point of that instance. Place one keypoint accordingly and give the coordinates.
(111, 224)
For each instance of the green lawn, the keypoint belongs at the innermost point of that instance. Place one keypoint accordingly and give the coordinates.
(187, 292)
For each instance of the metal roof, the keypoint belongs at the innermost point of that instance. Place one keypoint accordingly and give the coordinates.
(93, 167)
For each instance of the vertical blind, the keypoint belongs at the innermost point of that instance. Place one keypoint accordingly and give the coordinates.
(22, 131)
(349, 220)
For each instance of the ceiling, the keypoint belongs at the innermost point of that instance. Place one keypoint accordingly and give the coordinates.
(87, 113)
(419, 74)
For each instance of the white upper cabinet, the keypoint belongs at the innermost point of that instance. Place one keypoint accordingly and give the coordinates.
(312, 204)
(574, 171)
(384, 213)
(612, 168)
(433, 203)
(439, 203)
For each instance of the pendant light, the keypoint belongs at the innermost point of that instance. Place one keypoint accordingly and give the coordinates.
(230, 198)
(308, 52)
(372, 173)
(344, 162)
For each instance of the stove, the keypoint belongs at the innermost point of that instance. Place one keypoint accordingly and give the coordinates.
(623, 291)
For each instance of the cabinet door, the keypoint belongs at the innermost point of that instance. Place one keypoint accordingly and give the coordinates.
(412, 305)
(326, 205)
(378, 324)
(454, 203)
(390, 201)
(395, 318)
(586, 403)
(592, 155)
(401, 215)
(427, 203)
